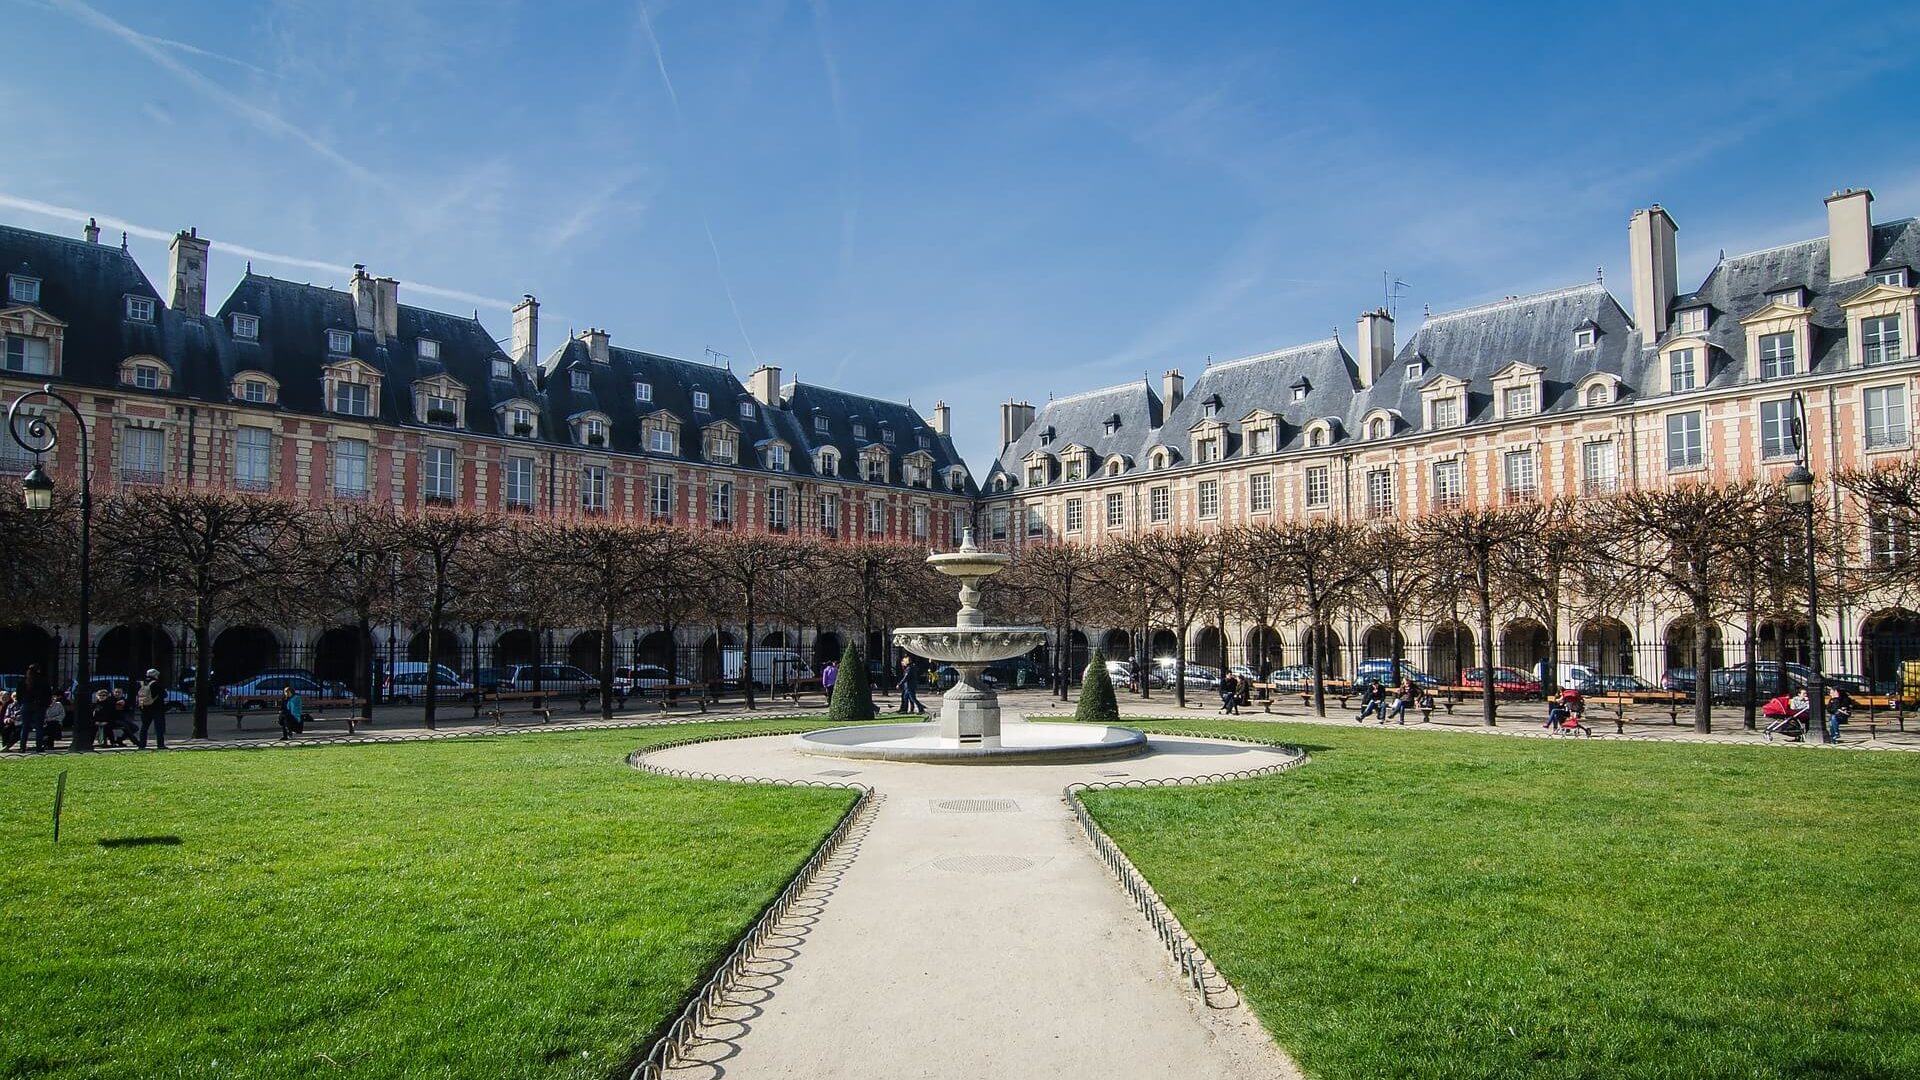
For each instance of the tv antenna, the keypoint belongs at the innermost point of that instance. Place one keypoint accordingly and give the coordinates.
(718, 358)
(1393, 289)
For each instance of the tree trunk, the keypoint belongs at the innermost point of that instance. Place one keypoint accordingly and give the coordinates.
(363, 658)
(1702, 674)
(606, 664)
(1317, 656)
(746, 656)
(1753, 674)
(203, 674)
(1180, 666)
(1485, 599)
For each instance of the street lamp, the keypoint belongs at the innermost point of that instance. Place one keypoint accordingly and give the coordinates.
(1799, 490)
(37, 436)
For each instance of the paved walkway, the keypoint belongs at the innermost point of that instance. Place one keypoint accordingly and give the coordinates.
(971, 933)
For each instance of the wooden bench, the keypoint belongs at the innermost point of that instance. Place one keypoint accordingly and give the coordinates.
(311, 708)
(678, 694)
(1618, 702)
(1878, 704)
(1341, 689)
(506, 702)
(807, 686)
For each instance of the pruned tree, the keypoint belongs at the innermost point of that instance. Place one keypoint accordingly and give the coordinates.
(875, 584)
(1887, 498)
(1395, 578)
(1479, 542)
(1055, 582)
(442, 552)
(346, 562)
(605, 570)
(39, 563)
(1319, 563)
(224, 553)
(1546, 573)
(1174, 567)
(742, 566)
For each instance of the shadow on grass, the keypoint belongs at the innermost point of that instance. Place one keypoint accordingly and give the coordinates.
(139, 841)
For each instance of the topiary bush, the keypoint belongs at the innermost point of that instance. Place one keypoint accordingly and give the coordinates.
(1096, 693)
(852, 696)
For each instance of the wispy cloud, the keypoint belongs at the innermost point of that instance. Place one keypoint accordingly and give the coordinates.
(595, 207)
(162, 51)
(837, 95)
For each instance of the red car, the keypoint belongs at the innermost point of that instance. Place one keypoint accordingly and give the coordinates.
(1507, 682)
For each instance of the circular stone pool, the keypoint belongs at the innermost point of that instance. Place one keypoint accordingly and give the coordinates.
(1018, 744)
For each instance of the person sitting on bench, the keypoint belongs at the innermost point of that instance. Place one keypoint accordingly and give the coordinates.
(1373, 702)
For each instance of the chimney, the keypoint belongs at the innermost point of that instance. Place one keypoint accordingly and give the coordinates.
(942, 422)
(1172, 388)
(1374, 345)
(386, 299)
(1652, 257)
(1849, 234)
(764, 385)
(92, 231)
(1015, 418)
(186, 270)
(596, 340)
(526, 330)
(363, 301)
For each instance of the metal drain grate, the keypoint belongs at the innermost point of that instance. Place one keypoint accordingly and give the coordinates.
(976, 806)
(983, 864)
(838, 772)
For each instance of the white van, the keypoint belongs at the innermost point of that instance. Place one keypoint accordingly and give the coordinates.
(772, 666)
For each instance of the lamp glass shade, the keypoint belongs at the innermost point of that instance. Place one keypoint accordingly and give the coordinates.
(1799, 486)
(36, 488)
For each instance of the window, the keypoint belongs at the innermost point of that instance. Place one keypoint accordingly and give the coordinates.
(720, 503)
(139, 309)
(142, 456)
(1260, 493)
(246, 327)
(886, 436)
(830, 513)
(1076, 515)
(1776, 356)
(1317, 438)
(777, 509)
(519, 483)
(1376, 428)
(777, 458)
(829, 463)
(252, 456)
(1379, 493)
(1693, 321)
(1599, 394)
(1685, 446)
(721, 449)
(23, 290)
(1257, 441)
(1682, 374)
(350, 467)
(28, 355)
(660, 440)
(1886, 408)
(1794, 297)
(1046, 437)
(877, 519)
(997, 524)
(919, 523)
(1159, 504)
(520, 422)
(1897, 277)
(1599, 468)
(339, 341)
(1446, 484)
(700, 400)
(1299, 393)
(1036, 522)
(1584, 337)
(643, 391)
(146, 377)
(352, 399)
(877, 469)
(253, 391)
(660, 496)
(1111, 425)
(1522, 483)
(1209, 498)
(822, 425)
(1210, 407)
(746, 410)
(1779, 429)
(1318, 487)
(1446, 412)
(1880, 340)
(1076, 469)
(859, 431)
(957, 526)
(1036, 475)
(441, 410)
(503, 370)
(596, 432)
(1414, 371)
(923, 442)
(427, 349)
(1520, 401)
(1889, 539)
(1116, 508)
(593, 489)
(579, 379)
(436, 473)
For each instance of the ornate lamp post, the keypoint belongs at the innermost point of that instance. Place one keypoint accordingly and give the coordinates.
(1799, 488)
(37, 436)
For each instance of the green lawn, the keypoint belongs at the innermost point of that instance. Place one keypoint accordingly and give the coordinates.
(511, 907)
(1421, 905)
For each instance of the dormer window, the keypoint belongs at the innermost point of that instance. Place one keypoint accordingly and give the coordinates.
(746, 410)
(1794, 296)
(886, 436)
(1076, 470)
(1112, 424)
(352, 399)
(1585, 337)
(146, 377)
(1446, 412)
(1519, 401)
(956, 479)
(441, 410)
(427, 349)
(1414, 371)
(859, 431)
(700, 400)
(1777, 356)
(579, 379)
(140, 309)
(520, 422)
(720, 448)
(1114, 465)
(1036, 474)
(660, 439)
(829, 463)
(1599, 394)
(246, 327)
(777, 458)
(1046, 437)
(920, 439)
(1880, 340)
(877, 469)
(1210, 407)
(339, 342)
(1377, 428)
(643, 391)
(503, 370)
(1896, 277)
(596, 431)
(1207, 450)
(1317, 438)
(1257, 441)
(999, 484)
(1300, 392)
(822, 424)
(253, 392)
(1159, 460)
(1693, 321)
(23, 290)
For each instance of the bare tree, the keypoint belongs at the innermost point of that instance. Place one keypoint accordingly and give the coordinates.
(605, 569)
(1546, 572)
(1479, 542)
(742, 566)
(1888, 503)
(442, 552)
(1319, 563)
(1395, 577)
(346, 562)
(1055, 582)
(1175, 568)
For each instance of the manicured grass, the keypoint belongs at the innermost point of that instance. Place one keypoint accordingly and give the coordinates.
(1424, 905)
(511, 907)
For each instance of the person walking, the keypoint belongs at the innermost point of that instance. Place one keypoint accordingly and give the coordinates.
(34, 697)
(293, 718)
(828, 676)
(909, 695)
(153, 710)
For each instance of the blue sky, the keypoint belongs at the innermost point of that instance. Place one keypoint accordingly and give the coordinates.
(959, 201)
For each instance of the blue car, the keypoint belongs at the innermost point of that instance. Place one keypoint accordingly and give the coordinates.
(1368, 670)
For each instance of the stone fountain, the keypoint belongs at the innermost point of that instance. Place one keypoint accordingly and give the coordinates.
(969, 729)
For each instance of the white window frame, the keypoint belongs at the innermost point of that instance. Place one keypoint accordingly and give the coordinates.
(919, 517)
(140, 308)
(1036, 521)
(1599, 467)
(502, 370)
(246, 327)
(1896, 277)
(746, 410)
(1585, 338)
(1683, 370)
(1206, 498)
(253, 391)
(701, 401)
(427, 349)
(1116, 508)
(25, 359)
(1448, 491)
(517, 482)
(1783, 363)
(1693, 321)
(777, 508)
(579, 379)
(660, 495)
(1884, 343)
(22, 289)
(1776, 423)
(876, 518)
(340, 342)
(1893, 429)
(720, 502)
(1318, 486)
(349, 467)
(352, 399)
(439, 467)
(1380, 493)
(1450, 418)
(146, 377)
(829, 512)
(252, 458)
(1260, 493)
(643, 391)
(660, 439)
(822, 425)
(1160, 504)
(1076, 515)
(1520, 475)
(1527, 396)
(1691, 453)
(593, 489)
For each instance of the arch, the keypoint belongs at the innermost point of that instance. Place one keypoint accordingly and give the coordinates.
(827, 647)
(130, 649)
(1888, 638)
(1209, 647)
(1332, 662)
(710, 654)
(1163, 645)
(240, 652)
(776, 640)
(1606, 646)
(1117, 644)
(446, 649)
(336, 657)
(1784, 638)
(1449, 651)
(1382, 642)
(25, 643)
(1079, 655)
(1679, 642)
(583, 651)
(516, 646)
(1265, 650)
(1523, 644)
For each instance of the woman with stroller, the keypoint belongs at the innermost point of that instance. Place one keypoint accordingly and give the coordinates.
(1786, 716)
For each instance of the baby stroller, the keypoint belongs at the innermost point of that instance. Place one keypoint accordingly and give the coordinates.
(1784, 719)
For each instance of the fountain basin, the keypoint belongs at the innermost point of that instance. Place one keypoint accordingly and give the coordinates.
(969, 563)
(1017, 744)
(970, 644)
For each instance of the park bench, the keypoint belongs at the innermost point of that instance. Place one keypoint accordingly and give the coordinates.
(499, 704)
(678, 694)
(1877, 706)
(804, 686)
(1341, 689)
(590, 696)
(311, 708)
(1671, 700)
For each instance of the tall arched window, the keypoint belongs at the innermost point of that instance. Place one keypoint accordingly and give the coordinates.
(1597, 395)
(1376, 428)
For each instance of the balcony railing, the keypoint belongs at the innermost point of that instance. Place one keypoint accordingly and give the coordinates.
(1875, 355)
(350, 494)
(244, 483)
(146, 477)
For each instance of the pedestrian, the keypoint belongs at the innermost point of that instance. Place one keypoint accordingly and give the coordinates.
(1839, 711)
(58, 710)
(92, 715)
(10, 722)
(153, 710)
(828, 676)
(1373, 702)
(34, 697)
(293, 719)
(1230, 694)
(121, 730)
(909, 694)
(1401, 699)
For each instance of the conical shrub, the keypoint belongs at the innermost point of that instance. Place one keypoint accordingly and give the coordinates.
(852, 696)
(1096, 694)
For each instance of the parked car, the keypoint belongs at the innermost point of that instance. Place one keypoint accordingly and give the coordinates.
(1293, 676)
(1199, 676)
(267, 686)
(559, 678)
(1612, 684)
(1119, 672)
(1682, 679)
(10, 683)
(1368, 670)
(1017, 673)
(1769, 676)
(641, 677)
(1507, 682)
(407, 683)
(487, 679)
